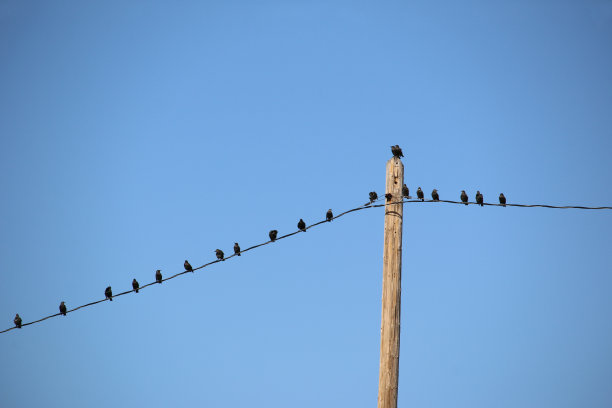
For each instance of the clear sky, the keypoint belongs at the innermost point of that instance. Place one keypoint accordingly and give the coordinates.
(137, 134)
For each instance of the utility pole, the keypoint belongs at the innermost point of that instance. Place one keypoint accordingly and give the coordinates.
(392, 288)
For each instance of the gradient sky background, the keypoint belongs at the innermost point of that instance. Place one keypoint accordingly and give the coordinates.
(135, 135)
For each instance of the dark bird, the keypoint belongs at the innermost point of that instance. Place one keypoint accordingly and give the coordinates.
(236, 248)
(220, 254)
(109, 293)
(158, 276)
(435, 195)
(373, 196)
(464, 197)
(397, 151)
(188, 266)
(388, 196)
(502, 199)
(420, 194)
(17, 321)
(329, 215)
(272, 234)
(405, 191)
(135, 285)
(302, 225)
(479, 198)
(63, 308)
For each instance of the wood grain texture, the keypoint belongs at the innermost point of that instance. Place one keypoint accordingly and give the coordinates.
(392, 288)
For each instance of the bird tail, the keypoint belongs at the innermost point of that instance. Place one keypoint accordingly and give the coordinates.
(110, 298)
(136, 290)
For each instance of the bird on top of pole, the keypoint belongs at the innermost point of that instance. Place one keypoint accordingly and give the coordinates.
(397, 151)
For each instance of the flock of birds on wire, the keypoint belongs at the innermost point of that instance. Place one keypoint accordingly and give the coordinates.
(397, 152)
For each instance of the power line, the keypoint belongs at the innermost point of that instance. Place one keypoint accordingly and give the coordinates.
(362, 207)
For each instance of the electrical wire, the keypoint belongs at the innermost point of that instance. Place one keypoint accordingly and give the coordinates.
(362, 207)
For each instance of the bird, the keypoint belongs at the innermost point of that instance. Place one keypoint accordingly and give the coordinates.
(464, 197)
(435, 195)
(109, 293)
(62, 308)
(301, 225)
(272, 234)
(236, 248)
(329, 215)
(405, 191)
(373, 196)
(502, 199)
(17, 321)
(220, 254)
(388, 196)
(135, 285)
(479, 198)
(188, 266)
(397, 151)
(158, 276)
(420, 194)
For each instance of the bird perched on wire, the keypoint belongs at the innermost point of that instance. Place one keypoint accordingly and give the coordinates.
(502, 199)
(188, 266)
(109, 293)
(220, 254)
(406, 192)
(373, 197)
(420, 194)
(301, 225)
(17, 321)
(158, 276)
(464, 197)
(272, 234)
(388, 196)
(62, 308)
(397, 151)
(479, 198)
(329, 215)
(236, 248)
(434, 195)
(135, 285)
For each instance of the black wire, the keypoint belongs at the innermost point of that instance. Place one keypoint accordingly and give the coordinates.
(362, 207)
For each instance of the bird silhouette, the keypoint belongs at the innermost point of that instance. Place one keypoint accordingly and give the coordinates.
(405, 191)
(17, 321)
(220, 254)
(236, 248)
(434, 195)
(479, 198)
(109, 293)
(464, 197)
(397, 151)
(420, 194)
(188, 266)
(272, 234)
(329, 215)
(373, 197)
(502, 199)
(301, 225)
(135, 285)
(62, 308)
(158, 276)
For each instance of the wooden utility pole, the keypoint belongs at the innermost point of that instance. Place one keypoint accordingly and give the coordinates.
(392, 288)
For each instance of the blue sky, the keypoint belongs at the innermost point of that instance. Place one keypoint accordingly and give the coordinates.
(135, 135)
